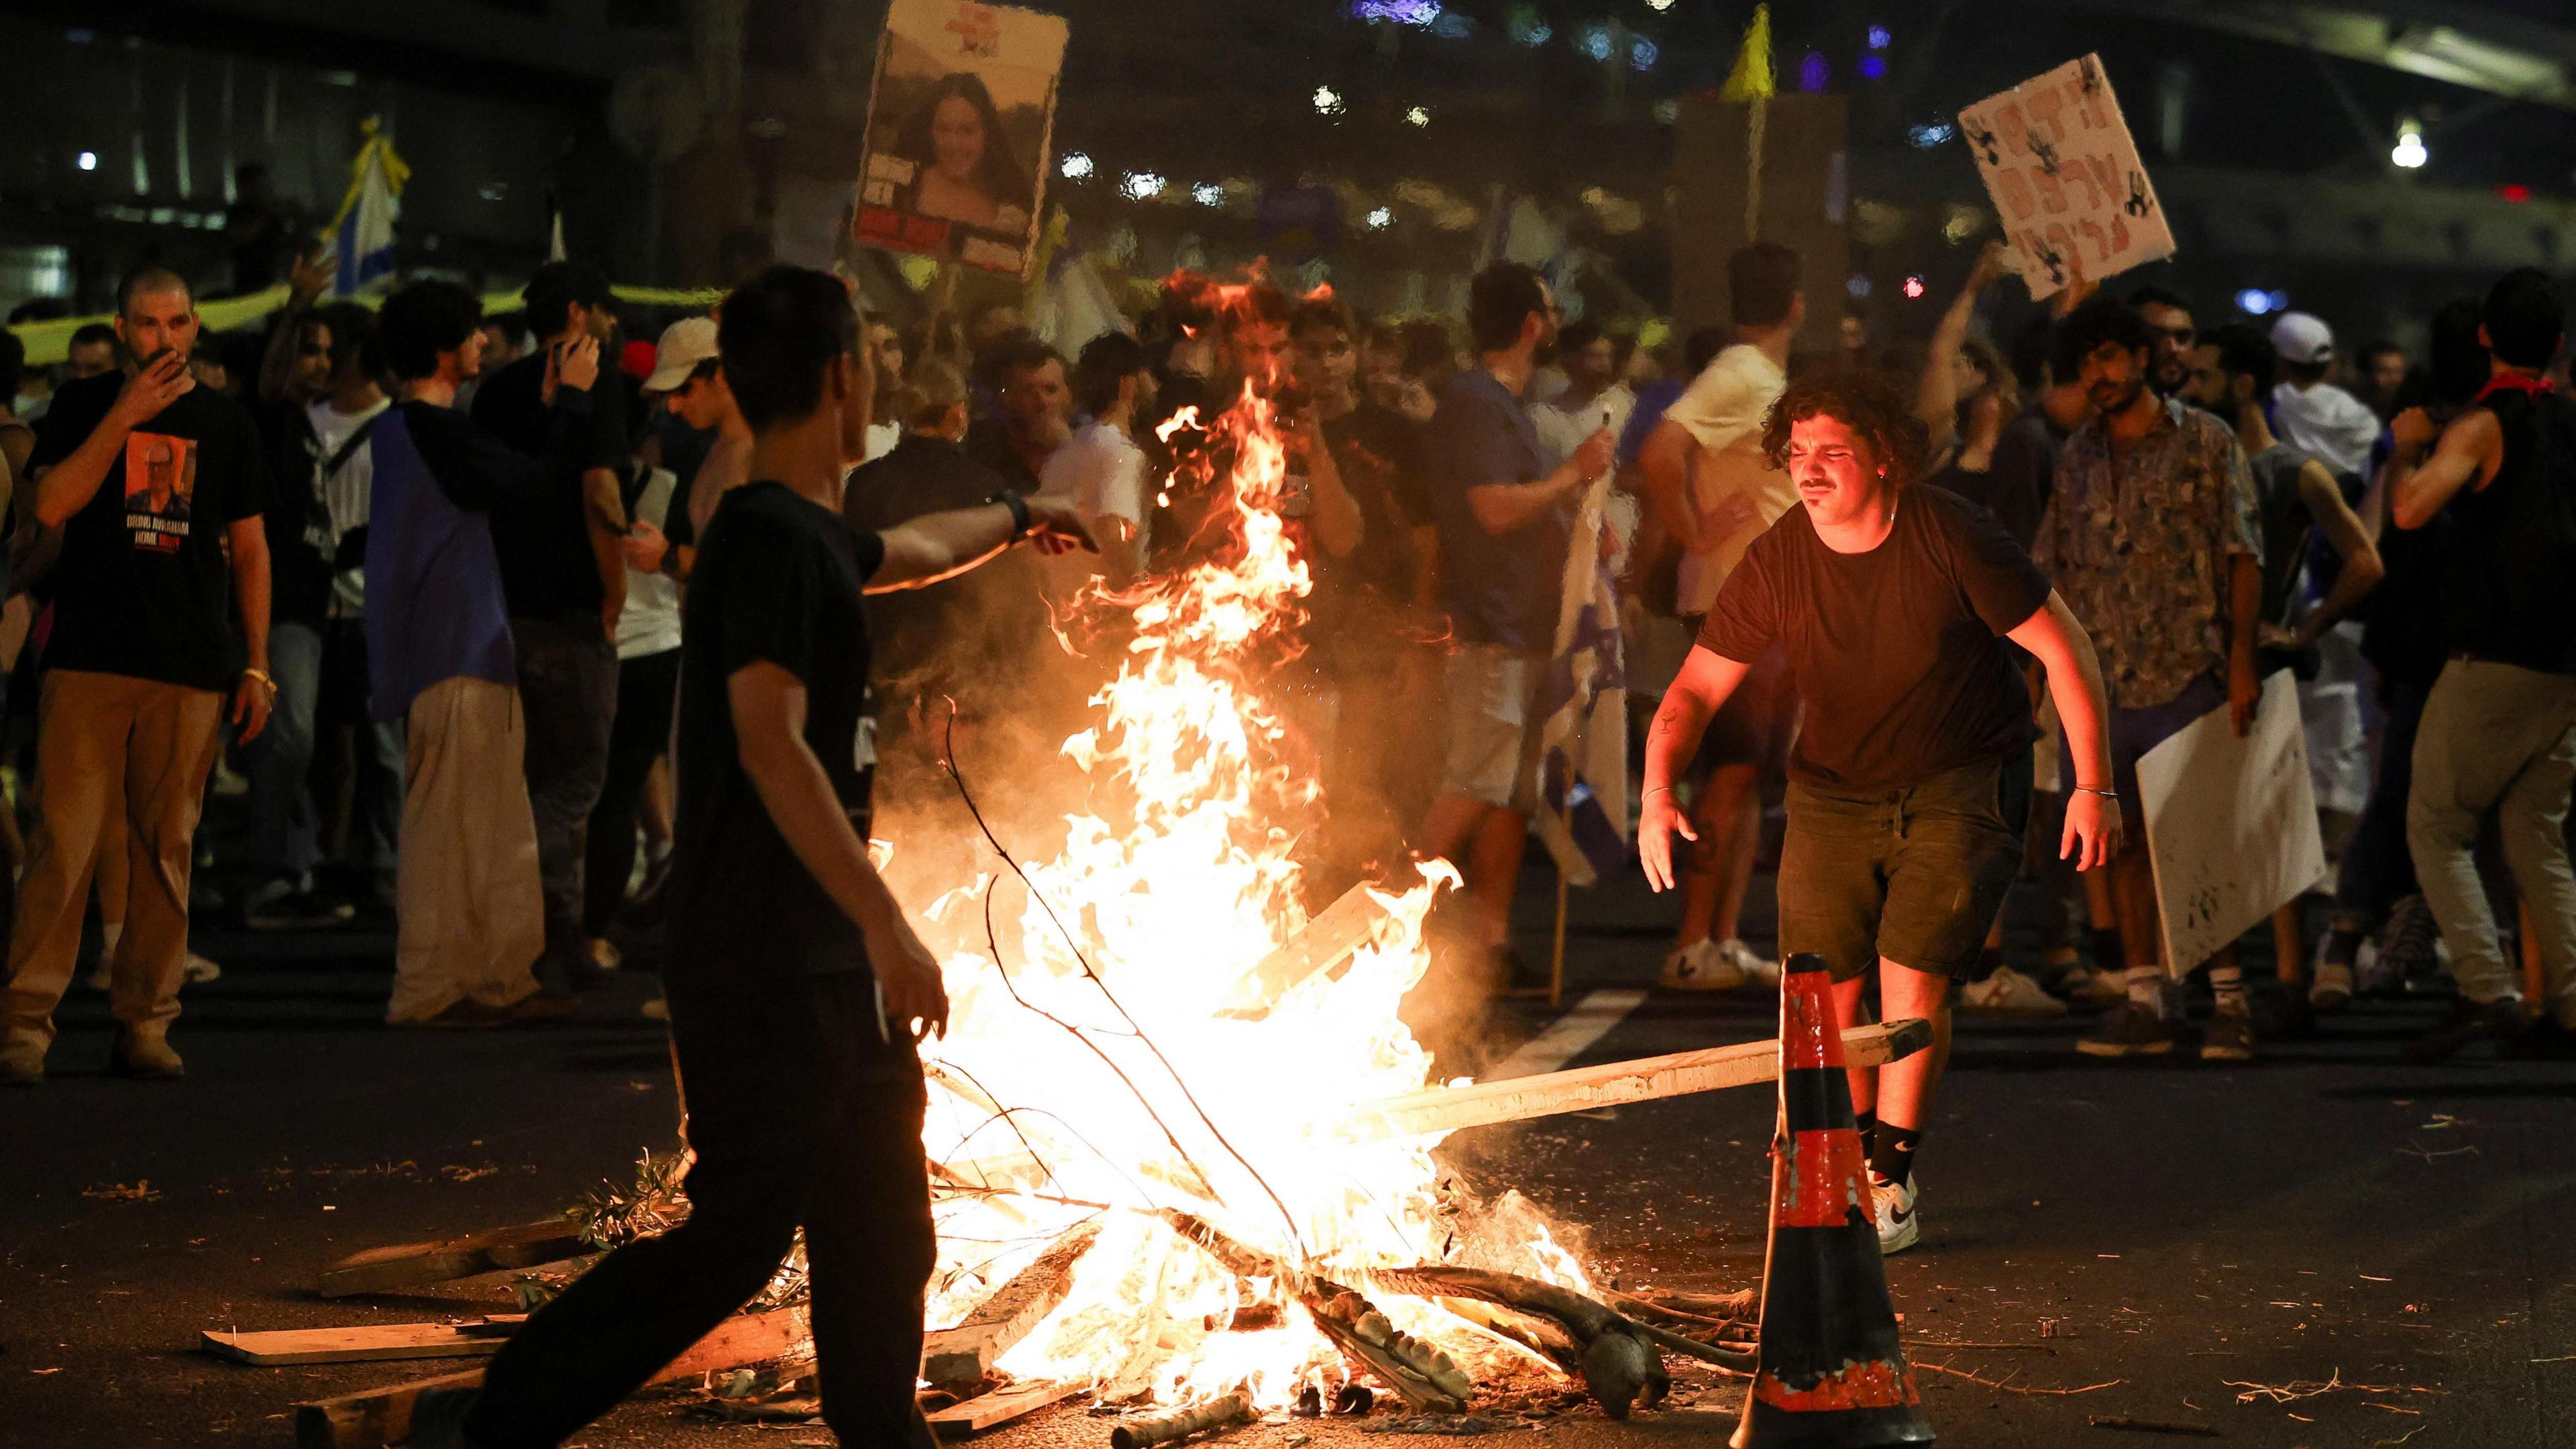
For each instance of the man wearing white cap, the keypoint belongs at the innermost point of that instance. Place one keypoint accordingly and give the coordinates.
(2311, 413)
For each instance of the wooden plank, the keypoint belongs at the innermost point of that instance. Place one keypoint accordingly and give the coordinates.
(414, 1265)
(1447, 1109)
(369, 1418)
(372, 1418)
(1001, 1407)
(960, 1357)
(362, 1344)
(1328, 939)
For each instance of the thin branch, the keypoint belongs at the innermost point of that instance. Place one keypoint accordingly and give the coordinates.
(2011, 1388)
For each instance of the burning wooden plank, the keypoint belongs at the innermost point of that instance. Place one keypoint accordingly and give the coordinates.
(371, 1418)
(1001, 1406)
(1329, 938)
(374, 1342)
(1142, 1433)
(416, 1265)
(960, 1357)
(1612, 1084)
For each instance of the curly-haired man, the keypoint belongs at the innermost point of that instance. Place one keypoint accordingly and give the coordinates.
(1909, 789)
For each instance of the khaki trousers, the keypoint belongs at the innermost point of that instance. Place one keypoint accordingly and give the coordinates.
(465, 885)
(2497, 737)
(110, 746)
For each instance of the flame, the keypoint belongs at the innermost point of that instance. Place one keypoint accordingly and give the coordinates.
(1109, 1081)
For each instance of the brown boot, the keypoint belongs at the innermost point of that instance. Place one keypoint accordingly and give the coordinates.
(145, 1056)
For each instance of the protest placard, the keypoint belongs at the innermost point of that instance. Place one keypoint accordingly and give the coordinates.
(2065, 177)
(2231, 824)
(958, 130)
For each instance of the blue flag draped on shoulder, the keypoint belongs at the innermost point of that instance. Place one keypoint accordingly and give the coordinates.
(363, 233)
(1583, 707)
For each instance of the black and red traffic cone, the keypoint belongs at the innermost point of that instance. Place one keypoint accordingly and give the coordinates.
(1832, 1374)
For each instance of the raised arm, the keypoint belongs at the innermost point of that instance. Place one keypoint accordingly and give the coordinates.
(2468, 452)
(2052, 635)
(1936, 393)
(69, 485)
(310, 278)
(768, 704)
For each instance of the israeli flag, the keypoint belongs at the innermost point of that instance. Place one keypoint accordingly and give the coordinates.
(363, 233)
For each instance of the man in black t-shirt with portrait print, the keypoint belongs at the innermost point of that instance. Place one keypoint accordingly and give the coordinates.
(157, 484)
(1910, 786)
(797, 989)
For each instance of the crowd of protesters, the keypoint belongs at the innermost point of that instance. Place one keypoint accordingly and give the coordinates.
(208, 601)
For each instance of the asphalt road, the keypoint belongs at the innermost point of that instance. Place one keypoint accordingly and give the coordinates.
(2323, 1248)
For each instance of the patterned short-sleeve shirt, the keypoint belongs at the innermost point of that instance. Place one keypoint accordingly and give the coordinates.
(2139, 541)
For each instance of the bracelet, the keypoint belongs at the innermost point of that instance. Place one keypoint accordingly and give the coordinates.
(1650, 794)
(1019, 512)
(262, 676)
(2105, 794)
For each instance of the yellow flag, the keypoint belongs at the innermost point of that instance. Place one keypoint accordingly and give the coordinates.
(1753, 79)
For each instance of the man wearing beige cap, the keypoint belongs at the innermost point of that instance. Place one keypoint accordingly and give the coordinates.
(2311, 413)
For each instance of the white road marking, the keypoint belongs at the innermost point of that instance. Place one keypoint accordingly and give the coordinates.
(1589, 1021)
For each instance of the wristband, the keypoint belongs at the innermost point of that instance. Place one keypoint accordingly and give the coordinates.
(1652, 792)
(262, 676)
(2090, 790)
(1019, 512)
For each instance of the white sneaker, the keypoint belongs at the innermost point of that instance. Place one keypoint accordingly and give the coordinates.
(2101, 986)
(1755, 967)
(2009, 990)
(2332, 988)
(1701, 966)
(1899, 1225)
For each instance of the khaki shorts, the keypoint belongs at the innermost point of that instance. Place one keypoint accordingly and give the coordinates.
(1493, 729)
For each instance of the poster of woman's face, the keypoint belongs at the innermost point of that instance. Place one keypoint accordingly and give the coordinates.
(957, 132)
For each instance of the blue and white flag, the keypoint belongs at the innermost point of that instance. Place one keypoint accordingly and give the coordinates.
(363, 233)
(1583, 709)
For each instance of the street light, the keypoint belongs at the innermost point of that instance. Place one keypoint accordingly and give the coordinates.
(2409, 153)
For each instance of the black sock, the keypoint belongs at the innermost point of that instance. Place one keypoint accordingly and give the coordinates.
(1891, 1150)
(2106, 948)
(1868, 1124)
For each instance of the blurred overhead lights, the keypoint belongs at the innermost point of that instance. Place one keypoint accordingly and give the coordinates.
(1208, 193)
(1858, 286)
(2513, 191)
(2261, 303)
(1873, 66)
(1453, 26)
(1526, 26)
(1659, 4)
(1140, 185)
(1402, 12)
(1930, 134)
(1418, 116)
(1914, 288)
(1595, 42)
(1814, 72)
(1668, 110)
(87, 161)
(1328, 101)
(1878, 37)
(1380, 218)
(2409, 153)
(1076, 166)
(1642, 54)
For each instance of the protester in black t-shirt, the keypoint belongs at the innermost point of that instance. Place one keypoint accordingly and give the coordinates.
(157, 486)
(1910, 786)
(797, 990)
(2499, 729)
(563, 569)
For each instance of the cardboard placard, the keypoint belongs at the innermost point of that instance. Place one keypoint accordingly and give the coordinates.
(2065, 177)
(2231, 824)
(958, 132)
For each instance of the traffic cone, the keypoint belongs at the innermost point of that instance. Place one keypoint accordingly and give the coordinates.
(1831, 1374)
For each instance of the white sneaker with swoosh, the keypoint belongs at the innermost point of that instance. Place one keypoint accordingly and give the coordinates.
(1899, 1226)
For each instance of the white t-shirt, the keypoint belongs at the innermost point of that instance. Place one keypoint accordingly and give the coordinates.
(1102, 474)
(650, 621)
(1562, 429)
(345, 493)
(881, 440)
(2326, 421)
(1723, 410)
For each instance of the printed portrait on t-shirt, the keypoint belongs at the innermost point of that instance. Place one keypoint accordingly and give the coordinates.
(160, 489)
(957, 132)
